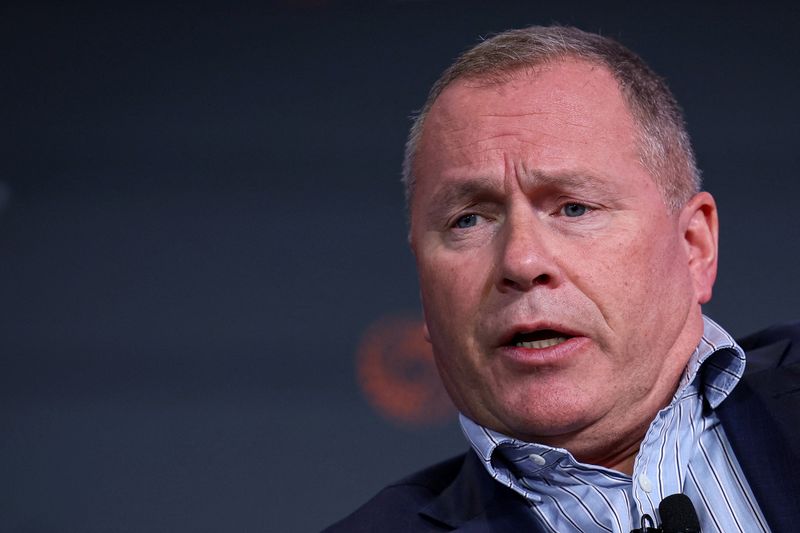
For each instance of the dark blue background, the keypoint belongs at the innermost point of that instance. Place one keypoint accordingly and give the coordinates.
(201, 214)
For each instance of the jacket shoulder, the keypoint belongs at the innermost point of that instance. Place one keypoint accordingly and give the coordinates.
(787, 333)
(761, 418)
(397, 506)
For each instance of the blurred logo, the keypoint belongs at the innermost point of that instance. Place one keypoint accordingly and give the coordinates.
(397, 373)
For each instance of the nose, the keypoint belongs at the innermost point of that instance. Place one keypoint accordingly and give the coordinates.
(527, 255)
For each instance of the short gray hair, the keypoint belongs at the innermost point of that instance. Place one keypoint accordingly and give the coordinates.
(664, 146)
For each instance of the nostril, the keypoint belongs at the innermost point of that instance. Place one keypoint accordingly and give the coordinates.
(541, 279)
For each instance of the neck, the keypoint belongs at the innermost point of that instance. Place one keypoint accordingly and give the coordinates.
(623, 463)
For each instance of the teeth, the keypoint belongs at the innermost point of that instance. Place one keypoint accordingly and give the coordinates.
(544, 343)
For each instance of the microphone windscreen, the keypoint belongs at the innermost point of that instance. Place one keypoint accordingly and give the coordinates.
(678, 515)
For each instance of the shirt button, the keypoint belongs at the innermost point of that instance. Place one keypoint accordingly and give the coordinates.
(645, 483)
(538, 459)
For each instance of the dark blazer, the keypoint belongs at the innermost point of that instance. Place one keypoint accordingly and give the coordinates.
(761, 418)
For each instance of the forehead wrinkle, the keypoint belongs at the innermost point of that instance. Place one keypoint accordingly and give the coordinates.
(516, 114)
(518, 139)
(571, 179)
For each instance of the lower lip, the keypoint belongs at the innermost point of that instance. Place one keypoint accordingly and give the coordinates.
(538, 357)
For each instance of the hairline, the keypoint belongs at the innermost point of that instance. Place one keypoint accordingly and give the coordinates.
(650, 145)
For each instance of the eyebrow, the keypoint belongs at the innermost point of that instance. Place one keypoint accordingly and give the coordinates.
(467, 191)
(460, 193)
(575, 180)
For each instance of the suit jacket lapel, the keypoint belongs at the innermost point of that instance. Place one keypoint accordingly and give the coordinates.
(761, 418)
(475, 502)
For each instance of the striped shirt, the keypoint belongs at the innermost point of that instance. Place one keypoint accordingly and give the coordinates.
(684, 450)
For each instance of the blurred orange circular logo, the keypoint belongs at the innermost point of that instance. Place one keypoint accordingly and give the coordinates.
(397, 373)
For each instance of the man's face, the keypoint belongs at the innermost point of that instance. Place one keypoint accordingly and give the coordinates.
(560, 294)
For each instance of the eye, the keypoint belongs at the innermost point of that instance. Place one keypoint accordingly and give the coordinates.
(574, 210)
(466, 221)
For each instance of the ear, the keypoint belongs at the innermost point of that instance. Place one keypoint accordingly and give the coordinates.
(700, 229)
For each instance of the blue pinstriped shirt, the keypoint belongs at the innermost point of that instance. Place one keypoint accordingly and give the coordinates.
(684, 450)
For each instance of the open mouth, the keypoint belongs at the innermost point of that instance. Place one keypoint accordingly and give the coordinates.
(543, 338)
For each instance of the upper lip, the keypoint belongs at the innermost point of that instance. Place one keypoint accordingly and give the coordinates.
(508, 336)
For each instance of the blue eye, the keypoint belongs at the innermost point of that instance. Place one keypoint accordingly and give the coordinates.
(574, 210)
(467, 221)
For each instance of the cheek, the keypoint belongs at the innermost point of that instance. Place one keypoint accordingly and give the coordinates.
(447, 296)
(647, 287)
(453, 280)
(450, 309)
(452, 292)
(626, 273)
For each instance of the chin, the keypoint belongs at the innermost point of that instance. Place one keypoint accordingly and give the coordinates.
(546, 419)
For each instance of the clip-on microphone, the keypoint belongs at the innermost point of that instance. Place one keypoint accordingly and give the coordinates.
(677, 516)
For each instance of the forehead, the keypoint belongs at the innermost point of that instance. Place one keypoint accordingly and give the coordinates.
(570, 106)
(568, 86)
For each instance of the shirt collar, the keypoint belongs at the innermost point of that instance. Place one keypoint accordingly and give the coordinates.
(715, 367)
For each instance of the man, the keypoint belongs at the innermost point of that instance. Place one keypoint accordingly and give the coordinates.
(564, 250)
